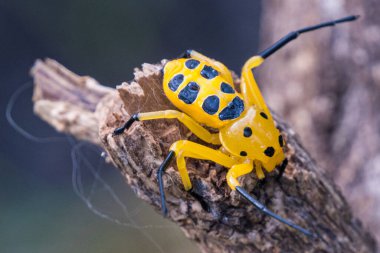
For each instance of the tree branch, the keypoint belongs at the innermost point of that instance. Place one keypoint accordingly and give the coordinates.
(218, 220)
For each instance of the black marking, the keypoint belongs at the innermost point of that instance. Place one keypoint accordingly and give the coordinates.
(209, 72)
(266, 211)
(198, 191)
(186, 54)
(282, 168)
(175, 82)
(264, 115)
(243, 153)
(189, 93)
(211, 104)
(226, 88)
(127, 125)
(293, 35)
(191, 63)
(281, 141)
(233, 109)
(269, 151)
(247, 132)
(160, 172)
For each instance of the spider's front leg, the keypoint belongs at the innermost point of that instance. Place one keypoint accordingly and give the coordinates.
(182, 149)
(201, 132)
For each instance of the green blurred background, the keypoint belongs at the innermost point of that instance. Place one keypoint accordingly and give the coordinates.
(39, 208)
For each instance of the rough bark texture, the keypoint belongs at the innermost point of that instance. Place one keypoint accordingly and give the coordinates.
(218, 219)
(330, 91)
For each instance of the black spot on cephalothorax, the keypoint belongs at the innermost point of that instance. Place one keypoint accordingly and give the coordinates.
(191, 63)
(189, 93)
(269, 151)
(232, 110)
(226, 88)
(211, 104)
(263, 114)
(209, 72)
(281, 141)
(243, 153)
(247, 132)
(175, 82)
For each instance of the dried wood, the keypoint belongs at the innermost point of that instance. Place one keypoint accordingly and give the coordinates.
(218, 219)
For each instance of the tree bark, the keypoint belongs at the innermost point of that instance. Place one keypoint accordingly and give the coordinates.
(218, 220)
(330, 92)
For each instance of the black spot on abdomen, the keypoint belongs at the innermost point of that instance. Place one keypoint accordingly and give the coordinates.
(226, 88)
(175, 82)
(211, 104)
(189, 93)
(191, 63)
(233, 109)
(209, 72)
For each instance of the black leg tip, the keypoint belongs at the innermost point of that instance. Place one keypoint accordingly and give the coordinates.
(118, 131)
(126, 126)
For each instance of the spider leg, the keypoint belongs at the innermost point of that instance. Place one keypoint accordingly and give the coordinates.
(126, 125)
(160, 172)
(191, 124)
(189, 149)
(266, 211)
(293, 35)
(243, 169)
(249, 87)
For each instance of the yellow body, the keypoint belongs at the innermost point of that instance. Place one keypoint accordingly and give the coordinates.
(247, 132)
(207, 88)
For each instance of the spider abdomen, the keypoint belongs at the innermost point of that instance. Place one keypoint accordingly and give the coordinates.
(199, 89)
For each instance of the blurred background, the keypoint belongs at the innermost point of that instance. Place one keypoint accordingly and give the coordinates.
(40, 210)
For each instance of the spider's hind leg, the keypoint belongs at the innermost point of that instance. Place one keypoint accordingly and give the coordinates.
(183, 149)
(281, 169)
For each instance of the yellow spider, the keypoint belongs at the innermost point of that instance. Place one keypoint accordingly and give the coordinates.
(203, 89)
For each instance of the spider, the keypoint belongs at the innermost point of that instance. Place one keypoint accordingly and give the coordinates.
(203, 90)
